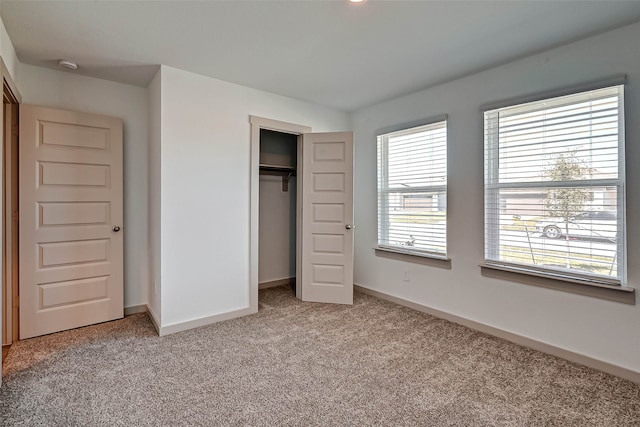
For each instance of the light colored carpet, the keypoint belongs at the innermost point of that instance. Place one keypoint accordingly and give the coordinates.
(297, 363)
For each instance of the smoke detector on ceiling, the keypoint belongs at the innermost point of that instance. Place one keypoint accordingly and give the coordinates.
(69, 65)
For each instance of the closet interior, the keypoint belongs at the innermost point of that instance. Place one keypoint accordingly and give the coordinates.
(277, 209)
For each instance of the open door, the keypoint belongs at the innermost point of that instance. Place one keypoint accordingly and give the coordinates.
(71, 211)
(327, 218)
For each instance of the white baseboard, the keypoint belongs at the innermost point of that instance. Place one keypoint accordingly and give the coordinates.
(154, 319)
(203, 321)
(543, 347)
(134, 309)
(274, 283)
(190, 324)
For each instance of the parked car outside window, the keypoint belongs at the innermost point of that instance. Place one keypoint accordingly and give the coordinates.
(590, 224)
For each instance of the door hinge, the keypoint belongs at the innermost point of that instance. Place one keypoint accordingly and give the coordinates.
(15, 130)
(16, 301)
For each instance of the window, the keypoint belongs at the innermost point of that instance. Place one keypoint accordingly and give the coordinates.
(412, 190)
(554, 186)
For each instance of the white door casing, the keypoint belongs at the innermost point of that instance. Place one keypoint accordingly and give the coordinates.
(327, 217)
(71, 247)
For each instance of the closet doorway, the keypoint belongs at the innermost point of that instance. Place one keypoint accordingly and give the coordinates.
(277, 213)
(301, 229)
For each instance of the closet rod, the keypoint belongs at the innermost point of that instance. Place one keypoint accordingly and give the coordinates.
(286, 171)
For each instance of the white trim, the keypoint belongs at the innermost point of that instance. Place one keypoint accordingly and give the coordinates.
(620, 294)
(620, 79)
(382, 180)
(10, 284)
(413, 124)
(6, 75)
(432, 261)
(572, 356)
(622, 172)
(204, 321)
(547, 273)
(189, 324)
(134, 309)
(494, 258)
(258, 123)
(154, 319)
(415, 252)
(263, 123)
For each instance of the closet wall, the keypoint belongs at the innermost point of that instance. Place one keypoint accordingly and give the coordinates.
(277, 212)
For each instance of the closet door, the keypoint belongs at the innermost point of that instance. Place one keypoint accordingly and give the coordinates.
(327, 217)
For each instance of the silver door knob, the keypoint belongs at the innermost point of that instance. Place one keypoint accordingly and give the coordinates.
(116, 228)
(349, 226)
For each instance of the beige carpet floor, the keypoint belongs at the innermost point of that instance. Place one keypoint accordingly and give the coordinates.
(296, 363)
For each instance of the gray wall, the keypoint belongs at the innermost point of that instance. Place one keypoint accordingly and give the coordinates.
(59, 89)
(603, 330)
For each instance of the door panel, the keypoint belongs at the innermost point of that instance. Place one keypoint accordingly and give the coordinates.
(72, 213)
(71, 259)
(327, 208)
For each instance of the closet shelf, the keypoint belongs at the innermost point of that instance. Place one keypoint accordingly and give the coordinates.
(277, 168)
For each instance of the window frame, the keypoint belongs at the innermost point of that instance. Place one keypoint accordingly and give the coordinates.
(492, 187)
(382, 173)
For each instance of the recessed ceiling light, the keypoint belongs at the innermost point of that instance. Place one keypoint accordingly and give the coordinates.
(69, 65)
(357, 1)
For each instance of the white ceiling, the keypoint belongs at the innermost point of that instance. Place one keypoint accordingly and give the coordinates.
(333, 53)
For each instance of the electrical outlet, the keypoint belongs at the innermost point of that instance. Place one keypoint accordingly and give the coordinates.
(405, 276)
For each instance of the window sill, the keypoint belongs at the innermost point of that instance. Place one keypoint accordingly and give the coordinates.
(434, 260)
(620, 294)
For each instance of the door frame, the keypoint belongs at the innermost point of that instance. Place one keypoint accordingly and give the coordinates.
(258, 123)
(9, 297)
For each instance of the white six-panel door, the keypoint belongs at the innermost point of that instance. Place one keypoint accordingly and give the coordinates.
(71, 260)
(327, 217)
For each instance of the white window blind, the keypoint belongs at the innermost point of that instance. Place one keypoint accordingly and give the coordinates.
(412, 189)
(554, 186)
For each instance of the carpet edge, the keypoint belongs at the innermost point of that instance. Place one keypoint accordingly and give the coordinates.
(572, 356)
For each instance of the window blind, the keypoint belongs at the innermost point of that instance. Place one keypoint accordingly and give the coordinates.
(412, 189)
(554, 185)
